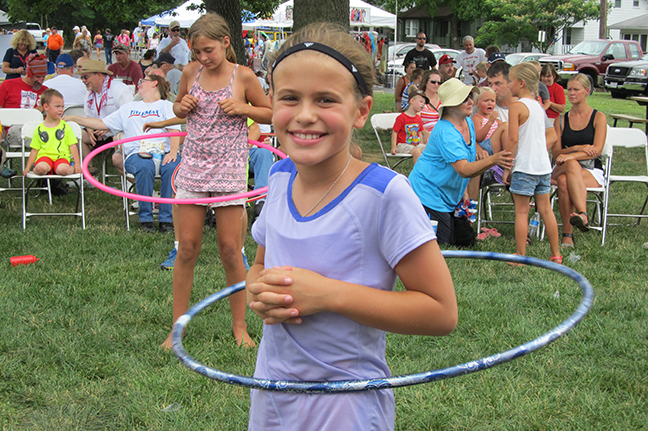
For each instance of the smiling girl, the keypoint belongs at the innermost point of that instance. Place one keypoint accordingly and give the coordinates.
(216, 97)
(334, 234)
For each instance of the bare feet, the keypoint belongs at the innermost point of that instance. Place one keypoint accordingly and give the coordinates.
(245, 340)
(167, 345)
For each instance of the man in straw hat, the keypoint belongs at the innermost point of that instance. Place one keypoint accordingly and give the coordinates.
(105, 96)
(175, 45)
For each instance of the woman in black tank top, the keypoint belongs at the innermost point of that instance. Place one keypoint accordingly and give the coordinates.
(581, 137)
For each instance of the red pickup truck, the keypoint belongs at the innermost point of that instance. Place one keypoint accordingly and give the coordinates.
(592, 57)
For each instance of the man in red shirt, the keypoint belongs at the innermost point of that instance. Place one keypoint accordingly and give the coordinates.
(23, 93)
(126, 69)
(54, 45)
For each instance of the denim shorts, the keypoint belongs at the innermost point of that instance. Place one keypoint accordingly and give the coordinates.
(529, 185)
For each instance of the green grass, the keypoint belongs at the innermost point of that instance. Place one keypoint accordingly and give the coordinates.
(81, 328)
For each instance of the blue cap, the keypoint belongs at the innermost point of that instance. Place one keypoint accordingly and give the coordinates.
(496, 56)
(64, 60)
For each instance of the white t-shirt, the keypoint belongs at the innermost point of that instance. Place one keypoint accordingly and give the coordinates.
(73, 90)
(131, 118)
(469, 62)
(180, 52)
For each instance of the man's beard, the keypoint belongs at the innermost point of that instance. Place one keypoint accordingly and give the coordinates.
(37, 85)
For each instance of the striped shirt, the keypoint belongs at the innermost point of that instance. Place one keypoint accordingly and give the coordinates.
(430, 116)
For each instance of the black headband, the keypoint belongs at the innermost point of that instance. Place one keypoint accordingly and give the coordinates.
(331, 53)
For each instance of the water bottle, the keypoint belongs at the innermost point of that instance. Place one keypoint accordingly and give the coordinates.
(534, 223)
(158, 154)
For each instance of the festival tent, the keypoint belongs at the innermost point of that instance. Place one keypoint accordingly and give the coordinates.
(182, 14)
(360, 14)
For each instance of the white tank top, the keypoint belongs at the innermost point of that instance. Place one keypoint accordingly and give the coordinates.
(532, 156)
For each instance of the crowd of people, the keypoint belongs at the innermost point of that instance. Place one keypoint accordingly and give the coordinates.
(517, 119)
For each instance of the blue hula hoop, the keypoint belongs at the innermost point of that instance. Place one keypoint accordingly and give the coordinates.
(394, 381)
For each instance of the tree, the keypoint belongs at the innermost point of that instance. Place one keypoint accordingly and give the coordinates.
(309, 11)
(515, 20)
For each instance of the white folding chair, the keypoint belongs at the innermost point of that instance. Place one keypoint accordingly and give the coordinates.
(602, 194)
(631, 138)
(385, 122)
(16, 117)
(27, 132)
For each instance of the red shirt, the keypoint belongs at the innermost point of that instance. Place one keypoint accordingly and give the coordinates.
(14, 93)
(131, 75)
(408, 129)
(556, 95)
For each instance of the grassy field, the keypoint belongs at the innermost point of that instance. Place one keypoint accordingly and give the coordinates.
(81, 328)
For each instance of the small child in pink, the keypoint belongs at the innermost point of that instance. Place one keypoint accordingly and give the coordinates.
(407, 133)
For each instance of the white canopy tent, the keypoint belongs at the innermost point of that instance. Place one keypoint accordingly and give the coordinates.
(182, 14)
(361, 14)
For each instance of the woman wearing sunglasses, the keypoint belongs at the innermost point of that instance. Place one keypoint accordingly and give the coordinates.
(441, 175)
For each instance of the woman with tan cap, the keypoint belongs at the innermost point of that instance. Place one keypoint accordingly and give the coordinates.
(105, 96)
(449, 160)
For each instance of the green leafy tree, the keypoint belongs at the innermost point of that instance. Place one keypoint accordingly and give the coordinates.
(514, 20)
(463, 10)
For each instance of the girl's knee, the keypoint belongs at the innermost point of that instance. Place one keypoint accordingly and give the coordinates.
(188, 250)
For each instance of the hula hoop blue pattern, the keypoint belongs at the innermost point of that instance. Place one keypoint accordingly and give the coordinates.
(394, 381)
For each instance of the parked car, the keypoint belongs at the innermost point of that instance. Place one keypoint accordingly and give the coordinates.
(521, 57)
(592, 57)
(627, 78)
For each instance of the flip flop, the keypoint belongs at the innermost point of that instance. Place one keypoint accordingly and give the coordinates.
(577, 221)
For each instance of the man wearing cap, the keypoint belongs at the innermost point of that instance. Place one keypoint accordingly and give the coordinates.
(175, 45)
(129, 71)
(73, 90)
(105, 96)
(446, 67)
(54, 45)
(496, 56)
(423, 57)
(76, 31)
(165, 62)
(469, 59)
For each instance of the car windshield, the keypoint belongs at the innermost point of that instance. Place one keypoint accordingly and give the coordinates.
(591, 47)
(514, 59)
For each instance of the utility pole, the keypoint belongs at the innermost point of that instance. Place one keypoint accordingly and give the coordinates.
(603, 20)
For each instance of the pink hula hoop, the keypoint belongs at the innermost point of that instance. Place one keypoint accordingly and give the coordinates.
(162, 200)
